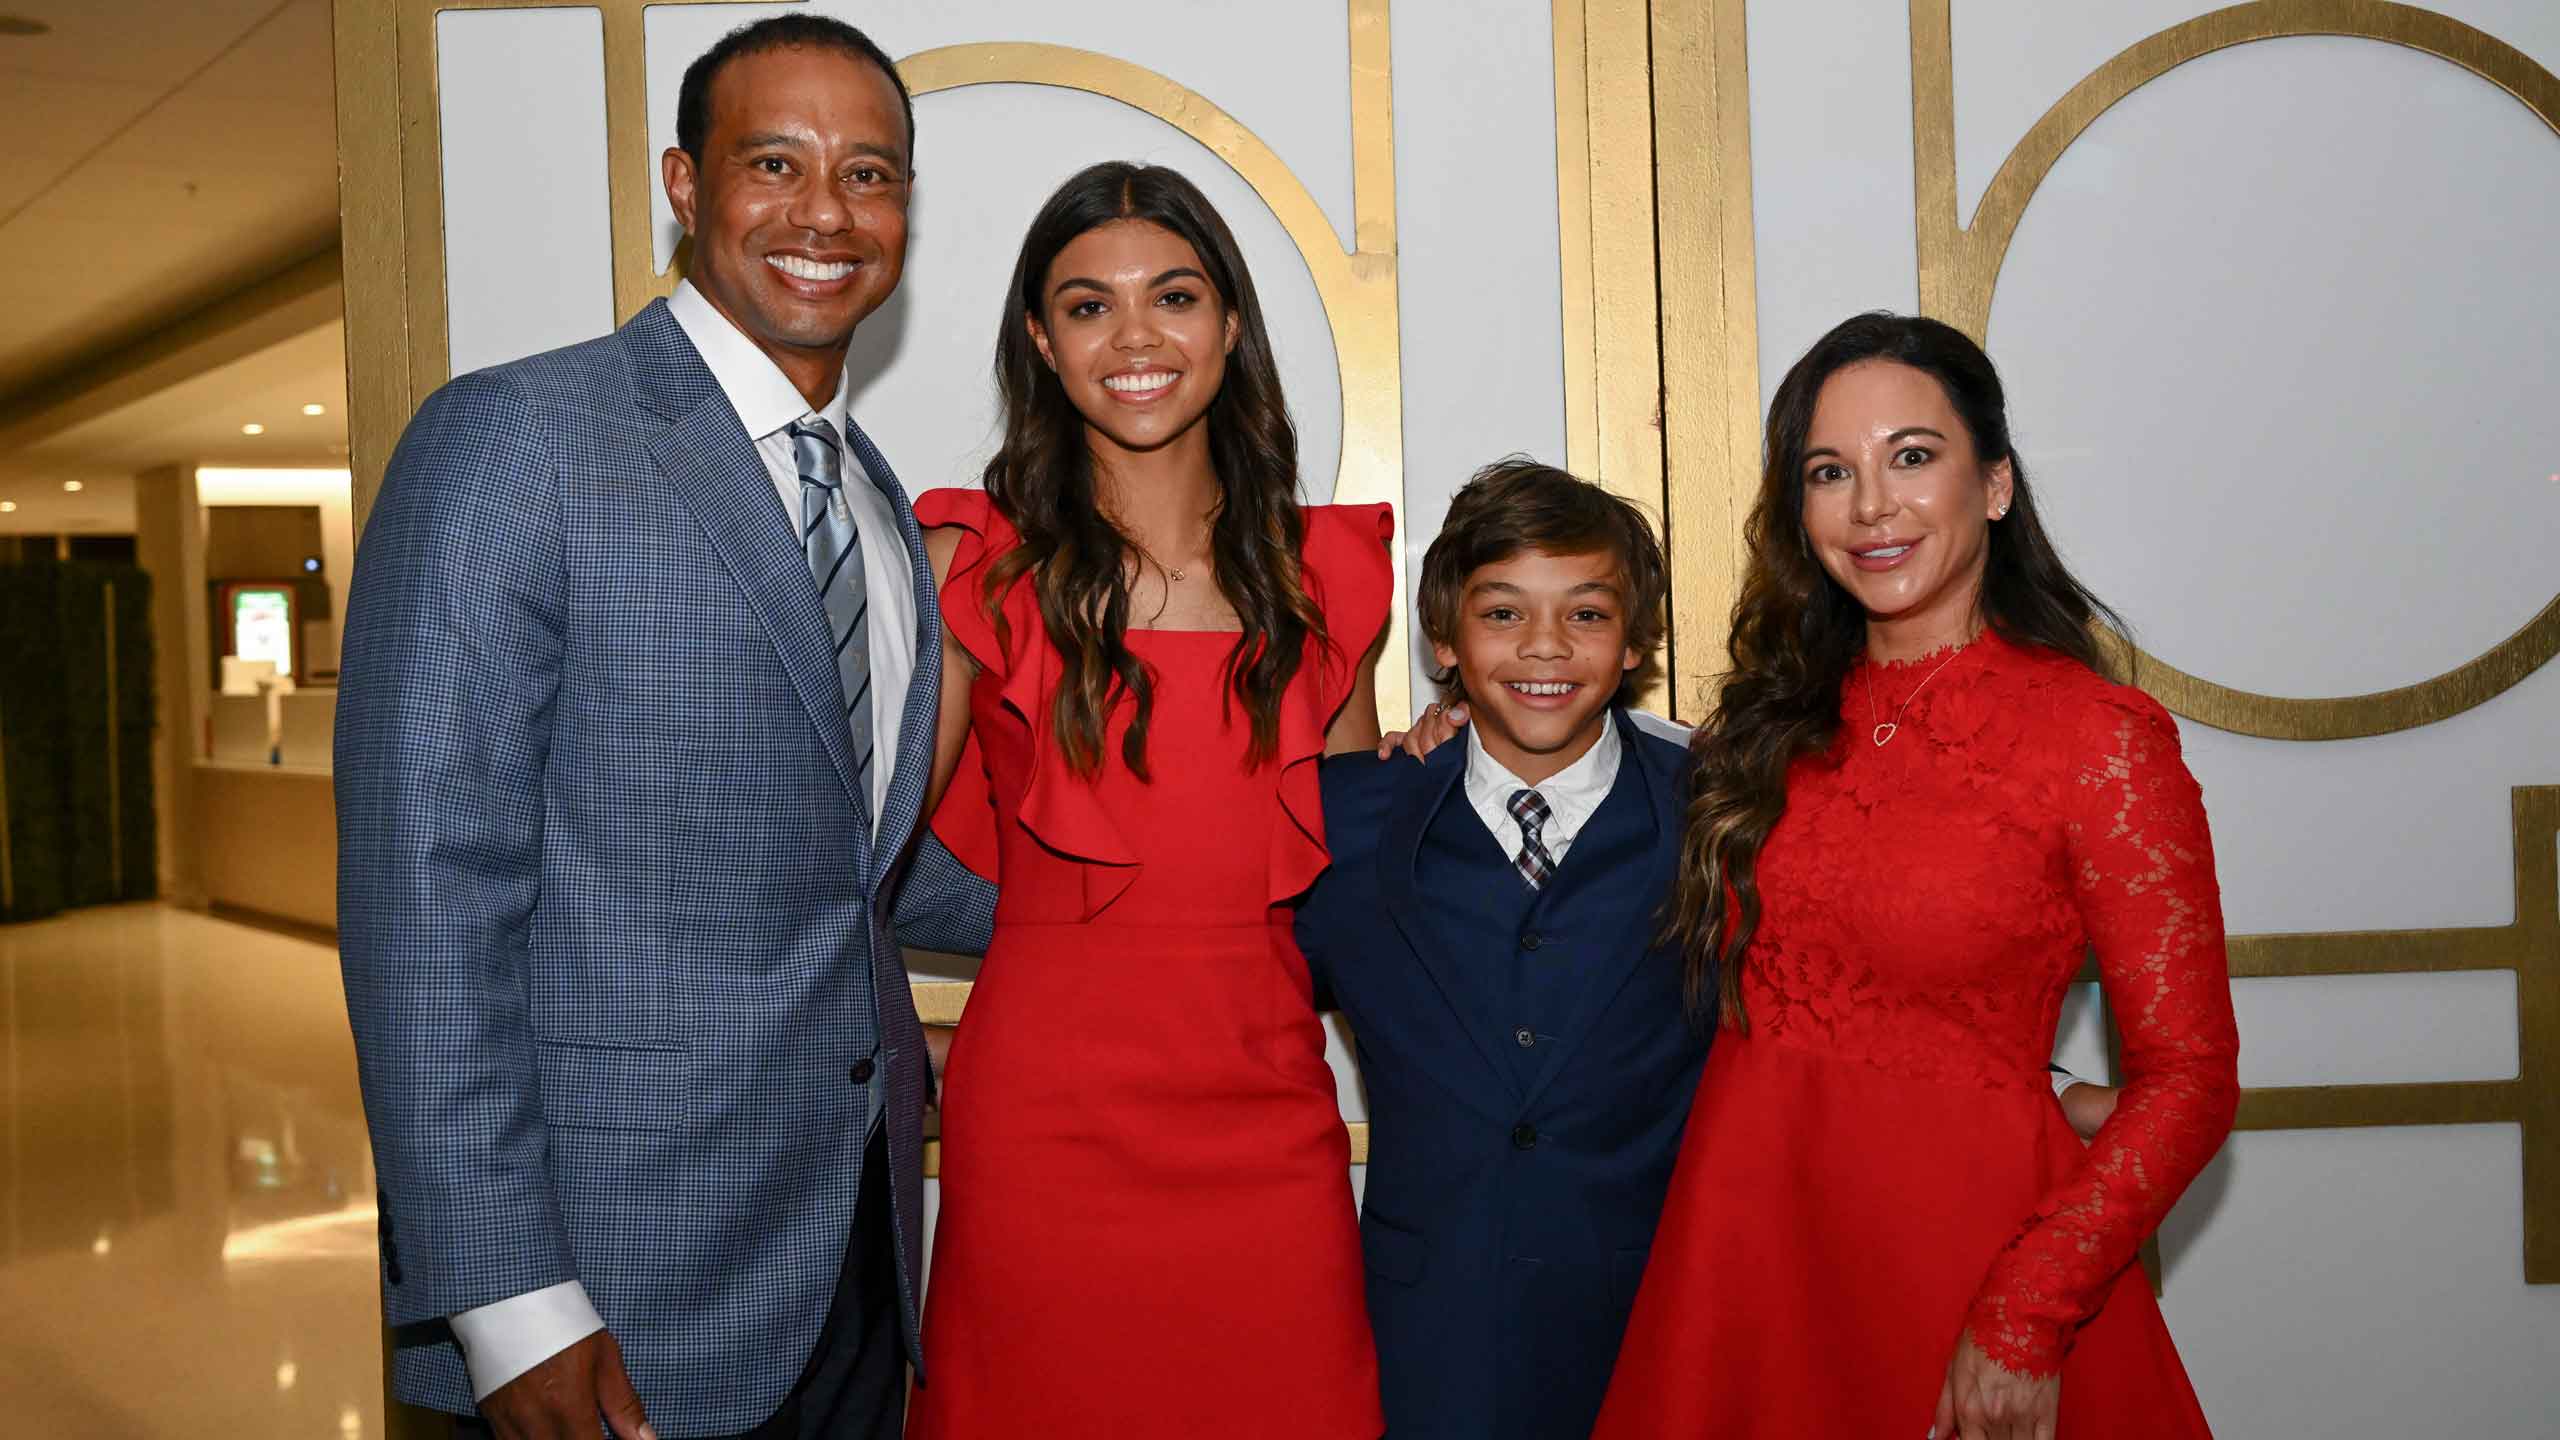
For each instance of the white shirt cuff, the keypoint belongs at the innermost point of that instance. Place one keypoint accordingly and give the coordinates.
(2062, 1080)
(505, 1338)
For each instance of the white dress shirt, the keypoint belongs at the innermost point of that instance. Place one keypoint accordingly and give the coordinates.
(1573, 794)
(501, 1341)
(767, 404)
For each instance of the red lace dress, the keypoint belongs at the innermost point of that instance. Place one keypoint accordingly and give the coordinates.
(1879, 1162)
(1146, 1223)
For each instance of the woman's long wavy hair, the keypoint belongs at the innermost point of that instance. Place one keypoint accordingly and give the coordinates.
(1796, 635)
(1042, 480)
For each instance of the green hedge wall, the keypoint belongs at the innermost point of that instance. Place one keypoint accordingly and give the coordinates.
(81, 826)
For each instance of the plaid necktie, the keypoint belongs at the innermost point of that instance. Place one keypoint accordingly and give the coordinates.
(1533, 862)
(834, 544)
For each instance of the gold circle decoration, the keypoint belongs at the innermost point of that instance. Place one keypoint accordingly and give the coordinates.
(1357, 289)
(1970, 269)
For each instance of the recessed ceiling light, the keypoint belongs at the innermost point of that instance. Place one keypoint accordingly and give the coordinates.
(72, 487)
(21, 25)
(315, 409)
(253, 428)
(8, 507)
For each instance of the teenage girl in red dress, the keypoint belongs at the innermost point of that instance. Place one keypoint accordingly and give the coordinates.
(1146, 1224)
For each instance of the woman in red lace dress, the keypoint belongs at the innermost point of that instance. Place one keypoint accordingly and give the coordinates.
(1146, 1224)
(1917, 805)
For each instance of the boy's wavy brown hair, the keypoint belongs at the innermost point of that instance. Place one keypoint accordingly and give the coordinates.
(1517, 504)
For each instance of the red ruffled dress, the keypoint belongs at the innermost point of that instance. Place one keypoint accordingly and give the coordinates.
(1146, 1224)
(1879, 1162)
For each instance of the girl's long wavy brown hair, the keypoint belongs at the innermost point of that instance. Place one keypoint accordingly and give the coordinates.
(1042, 480)
(1796, 635)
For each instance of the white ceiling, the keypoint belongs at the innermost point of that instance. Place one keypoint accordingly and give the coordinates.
(162, 154)
(200, 419)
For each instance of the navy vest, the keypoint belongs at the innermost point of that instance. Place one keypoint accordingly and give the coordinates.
(1535, 953)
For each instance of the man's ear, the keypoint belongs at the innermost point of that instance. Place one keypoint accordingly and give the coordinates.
(675, 168)
(1040, 340)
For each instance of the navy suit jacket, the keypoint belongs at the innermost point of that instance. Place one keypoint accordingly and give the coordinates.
(617, 946)
(1509, 1206)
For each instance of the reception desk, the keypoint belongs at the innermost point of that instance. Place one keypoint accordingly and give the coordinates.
(267, 839)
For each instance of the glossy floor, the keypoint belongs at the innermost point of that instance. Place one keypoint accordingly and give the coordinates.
(186, 1196)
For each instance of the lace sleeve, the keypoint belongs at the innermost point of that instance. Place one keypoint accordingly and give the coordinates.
(2142, 869)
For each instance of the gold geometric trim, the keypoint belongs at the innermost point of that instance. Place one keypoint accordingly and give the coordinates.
(1960, 266)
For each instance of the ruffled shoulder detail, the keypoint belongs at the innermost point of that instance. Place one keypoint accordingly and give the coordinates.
(1062, 812)
(985, 534)
(1350, 576)
(1348, 573)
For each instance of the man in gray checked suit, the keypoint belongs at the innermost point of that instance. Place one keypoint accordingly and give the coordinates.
(640, 674)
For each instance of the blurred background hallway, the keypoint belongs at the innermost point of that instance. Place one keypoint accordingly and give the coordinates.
(186, 1199)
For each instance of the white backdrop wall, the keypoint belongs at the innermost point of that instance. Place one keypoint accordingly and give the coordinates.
(2277, 330)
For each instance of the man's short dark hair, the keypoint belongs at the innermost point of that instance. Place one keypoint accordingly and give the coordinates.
(796, 32)
(1517, 504)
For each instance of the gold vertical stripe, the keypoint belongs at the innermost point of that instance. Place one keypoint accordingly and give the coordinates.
(1624, 351)
(2537, 926)
(1709, 309)
(1573, 240)
(1369, 347)
(372, 250)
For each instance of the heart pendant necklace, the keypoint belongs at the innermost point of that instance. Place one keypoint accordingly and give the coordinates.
(1886, 730)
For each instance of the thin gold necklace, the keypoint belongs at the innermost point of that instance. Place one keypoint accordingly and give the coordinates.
(1890, 728)
(1173, 571)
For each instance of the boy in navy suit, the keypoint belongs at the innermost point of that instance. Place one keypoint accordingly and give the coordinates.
(1488, 927)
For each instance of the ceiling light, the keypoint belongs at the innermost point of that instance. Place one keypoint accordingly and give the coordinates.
(72, 487)
(315, 409)
(8, 507)
(253, 428)
(21, 25)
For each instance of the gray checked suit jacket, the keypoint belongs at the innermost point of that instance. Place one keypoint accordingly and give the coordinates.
(618, 953)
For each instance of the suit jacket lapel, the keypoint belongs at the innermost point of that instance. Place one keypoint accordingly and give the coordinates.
(1630, 941)
(913, 764)
(712, 464)
(1398, 856)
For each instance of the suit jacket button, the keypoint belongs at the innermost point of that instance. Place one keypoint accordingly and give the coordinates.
(862, 1071)
(1524, 1137)
(1525, 1037)
(1532, 940)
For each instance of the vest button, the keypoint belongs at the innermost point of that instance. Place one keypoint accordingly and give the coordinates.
(1524, 1137)
(1524, 1036)
(862, 1071)
(1532, 940)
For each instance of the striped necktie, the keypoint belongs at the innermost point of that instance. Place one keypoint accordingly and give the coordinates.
(834, 544)
(1533, 862)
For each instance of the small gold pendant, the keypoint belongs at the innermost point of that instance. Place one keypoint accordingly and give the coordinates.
(1884, 732)
(1176, 574)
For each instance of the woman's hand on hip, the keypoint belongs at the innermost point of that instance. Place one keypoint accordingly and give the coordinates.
(1982, 1401)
